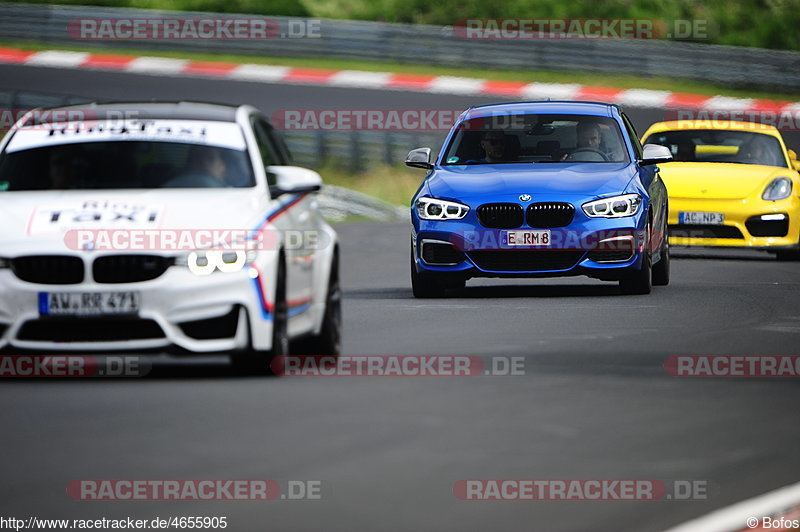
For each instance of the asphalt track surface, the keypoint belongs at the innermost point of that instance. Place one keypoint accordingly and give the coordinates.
(594, 402)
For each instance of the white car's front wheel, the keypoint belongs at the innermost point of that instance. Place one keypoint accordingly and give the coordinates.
(258, 362)
(329, 340)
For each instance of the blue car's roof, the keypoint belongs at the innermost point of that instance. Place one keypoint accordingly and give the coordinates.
(542, 107)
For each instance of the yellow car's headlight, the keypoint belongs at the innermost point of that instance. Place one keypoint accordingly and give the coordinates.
(778, 189)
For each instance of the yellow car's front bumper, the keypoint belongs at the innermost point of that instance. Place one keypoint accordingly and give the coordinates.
(741, 227)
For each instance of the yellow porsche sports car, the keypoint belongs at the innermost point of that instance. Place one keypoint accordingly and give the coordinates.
(732, 184)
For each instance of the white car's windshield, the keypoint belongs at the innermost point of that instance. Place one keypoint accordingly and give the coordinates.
(528, 138)
(177, 154)
(721, 146)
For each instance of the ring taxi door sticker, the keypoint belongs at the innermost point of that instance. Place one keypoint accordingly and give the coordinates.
(94, 214)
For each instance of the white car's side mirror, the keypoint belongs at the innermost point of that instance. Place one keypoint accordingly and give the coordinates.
(293, 180)
(654, 154)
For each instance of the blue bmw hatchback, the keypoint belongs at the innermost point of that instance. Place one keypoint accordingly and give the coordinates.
(540, 189)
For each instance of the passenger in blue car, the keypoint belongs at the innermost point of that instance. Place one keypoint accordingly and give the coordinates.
(493, 144)
(498, 147)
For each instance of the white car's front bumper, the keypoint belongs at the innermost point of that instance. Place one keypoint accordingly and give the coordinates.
(220, 312)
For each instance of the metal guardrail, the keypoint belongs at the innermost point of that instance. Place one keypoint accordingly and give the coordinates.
(437, 45)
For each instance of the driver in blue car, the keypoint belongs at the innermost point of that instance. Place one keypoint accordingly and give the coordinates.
(589, 139)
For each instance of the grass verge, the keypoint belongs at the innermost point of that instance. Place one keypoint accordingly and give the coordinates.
(393, 184)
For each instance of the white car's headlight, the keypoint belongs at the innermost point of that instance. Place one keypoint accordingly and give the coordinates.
(778, 189)
(223, 260)
(436, 209)
(614, 207)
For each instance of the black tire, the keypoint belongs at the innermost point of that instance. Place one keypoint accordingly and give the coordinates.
(258, 362)
(789, 255)
(329, 340)
(640, 282)
(661, 269)
(429, 286)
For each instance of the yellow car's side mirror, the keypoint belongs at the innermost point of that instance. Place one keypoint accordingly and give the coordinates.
(793, 159)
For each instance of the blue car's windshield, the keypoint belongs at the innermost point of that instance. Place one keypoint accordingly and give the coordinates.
(529, 138)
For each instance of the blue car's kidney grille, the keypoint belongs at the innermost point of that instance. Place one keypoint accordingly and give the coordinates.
(525, 260)
(550, 214)
(500, 215)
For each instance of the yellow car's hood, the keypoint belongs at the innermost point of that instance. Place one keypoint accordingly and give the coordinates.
(718, 180)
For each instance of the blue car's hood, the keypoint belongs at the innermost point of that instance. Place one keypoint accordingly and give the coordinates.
(567, 179)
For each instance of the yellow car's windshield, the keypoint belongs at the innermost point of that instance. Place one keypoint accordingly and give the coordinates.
(721, 146)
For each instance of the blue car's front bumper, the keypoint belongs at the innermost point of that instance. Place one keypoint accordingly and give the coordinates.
(603, 248)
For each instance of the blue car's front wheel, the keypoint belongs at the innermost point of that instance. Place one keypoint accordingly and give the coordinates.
(432, 285)
(641, 281)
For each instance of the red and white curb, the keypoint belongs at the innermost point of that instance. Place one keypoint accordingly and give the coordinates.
(161, 66)
(777, 510)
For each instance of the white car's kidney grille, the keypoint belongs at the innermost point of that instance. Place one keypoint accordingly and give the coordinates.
(49, 269)
(112, 269)
(129, 268)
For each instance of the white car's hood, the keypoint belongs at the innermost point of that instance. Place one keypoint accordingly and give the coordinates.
(37, 222)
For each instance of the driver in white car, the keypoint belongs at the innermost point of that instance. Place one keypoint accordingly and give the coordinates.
(206, 168)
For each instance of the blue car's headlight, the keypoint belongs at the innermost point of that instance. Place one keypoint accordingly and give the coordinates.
(436, 209)
(614, 207)
(778, 189)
